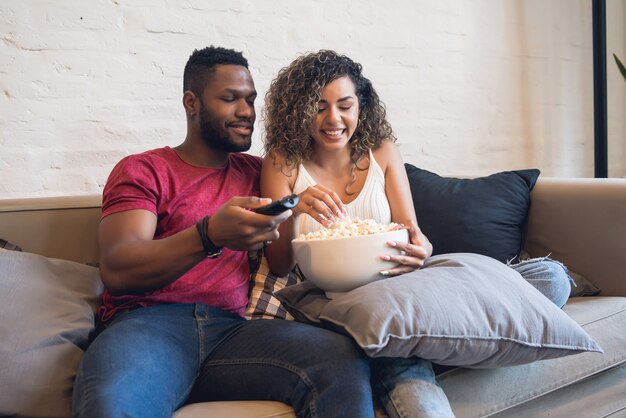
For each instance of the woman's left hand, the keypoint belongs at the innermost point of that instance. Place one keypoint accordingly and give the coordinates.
(414, 253)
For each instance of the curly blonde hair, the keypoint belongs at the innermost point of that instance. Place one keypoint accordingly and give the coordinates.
(292, 101)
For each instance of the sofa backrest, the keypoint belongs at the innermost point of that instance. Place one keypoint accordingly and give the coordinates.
(581, 222)
(57, 227)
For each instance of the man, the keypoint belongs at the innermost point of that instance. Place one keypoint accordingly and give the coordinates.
(174, 239)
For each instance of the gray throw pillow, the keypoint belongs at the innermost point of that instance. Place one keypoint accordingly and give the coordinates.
(460, 309)
(47, 313)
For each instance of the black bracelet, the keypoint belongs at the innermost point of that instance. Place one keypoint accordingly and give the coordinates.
(211, 250)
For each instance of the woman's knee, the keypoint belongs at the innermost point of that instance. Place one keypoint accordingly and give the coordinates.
(548, 276)
(559, 283)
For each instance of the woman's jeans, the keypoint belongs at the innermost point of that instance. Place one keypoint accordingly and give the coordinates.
(547, 276)
(151, 361)
(407, 387)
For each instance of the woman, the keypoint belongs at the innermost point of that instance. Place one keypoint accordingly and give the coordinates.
(328, 140)
(345, 141)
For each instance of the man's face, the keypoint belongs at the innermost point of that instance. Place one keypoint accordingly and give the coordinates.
(227, 109)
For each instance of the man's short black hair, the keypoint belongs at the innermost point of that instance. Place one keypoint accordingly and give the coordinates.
(204, 60)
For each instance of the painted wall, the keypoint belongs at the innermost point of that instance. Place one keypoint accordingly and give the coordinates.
(471, 86)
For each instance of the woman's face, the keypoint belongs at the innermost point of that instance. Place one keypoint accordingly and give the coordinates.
(337, 116)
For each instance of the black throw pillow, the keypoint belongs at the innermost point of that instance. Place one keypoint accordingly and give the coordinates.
(484, 215)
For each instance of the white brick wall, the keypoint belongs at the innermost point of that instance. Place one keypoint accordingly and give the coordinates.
(471, 86)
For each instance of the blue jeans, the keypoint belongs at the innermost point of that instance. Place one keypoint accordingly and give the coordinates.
(407, 388)
(151, 361)
(547, 276)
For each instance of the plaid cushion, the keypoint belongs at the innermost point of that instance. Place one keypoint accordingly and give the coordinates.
(261, 302)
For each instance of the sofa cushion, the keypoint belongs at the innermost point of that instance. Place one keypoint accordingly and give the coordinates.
(483, 392)
(236, 409)
(459, 309)
(483, 215)
(47, 309)
(599, 395)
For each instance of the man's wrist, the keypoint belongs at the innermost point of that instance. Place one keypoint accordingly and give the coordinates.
(210, 249)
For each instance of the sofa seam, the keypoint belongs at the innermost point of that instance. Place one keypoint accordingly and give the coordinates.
(608, 315)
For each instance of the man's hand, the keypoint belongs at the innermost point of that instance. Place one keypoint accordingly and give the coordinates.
(235, 227)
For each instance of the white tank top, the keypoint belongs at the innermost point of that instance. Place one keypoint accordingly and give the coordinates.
(371, 202)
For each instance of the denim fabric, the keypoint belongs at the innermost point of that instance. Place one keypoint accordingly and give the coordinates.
(150, 361)
(408, 389)
(548, 276)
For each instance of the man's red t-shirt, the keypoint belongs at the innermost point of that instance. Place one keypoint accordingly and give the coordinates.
(179, 195)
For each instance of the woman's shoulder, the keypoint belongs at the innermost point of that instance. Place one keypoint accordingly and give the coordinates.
(386, 153)
(279, 161)
(274, 156)
(276, 165)
(385, 146)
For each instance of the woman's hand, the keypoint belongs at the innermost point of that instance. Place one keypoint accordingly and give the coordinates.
(322, 204)
(413, 255)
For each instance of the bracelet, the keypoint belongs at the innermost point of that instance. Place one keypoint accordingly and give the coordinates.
(211, 250)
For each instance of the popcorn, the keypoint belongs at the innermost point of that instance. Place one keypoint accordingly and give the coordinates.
(350, 227)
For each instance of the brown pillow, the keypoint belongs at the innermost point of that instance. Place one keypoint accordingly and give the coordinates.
(9, 245)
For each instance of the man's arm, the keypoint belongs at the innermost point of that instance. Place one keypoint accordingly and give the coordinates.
(131, 261)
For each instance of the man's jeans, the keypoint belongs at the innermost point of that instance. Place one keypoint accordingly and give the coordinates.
(150, 361)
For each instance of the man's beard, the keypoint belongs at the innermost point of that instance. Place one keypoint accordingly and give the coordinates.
(217, 138)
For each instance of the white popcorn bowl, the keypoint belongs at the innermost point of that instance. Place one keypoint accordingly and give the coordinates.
(343, 264)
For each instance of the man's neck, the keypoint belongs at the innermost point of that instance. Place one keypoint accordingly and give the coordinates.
(201, 155)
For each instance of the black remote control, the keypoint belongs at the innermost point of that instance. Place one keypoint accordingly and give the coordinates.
(279, 206)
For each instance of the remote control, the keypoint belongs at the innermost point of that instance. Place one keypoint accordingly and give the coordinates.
(279, 206)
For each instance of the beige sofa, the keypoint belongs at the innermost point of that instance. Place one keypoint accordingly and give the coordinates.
(581, 222)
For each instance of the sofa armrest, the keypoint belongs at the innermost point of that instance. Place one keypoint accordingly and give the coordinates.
(582, 222)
